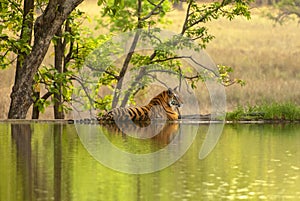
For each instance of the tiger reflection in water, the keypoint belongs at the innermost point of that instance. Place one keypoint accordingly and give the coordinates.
(144, 122)
(163, 134)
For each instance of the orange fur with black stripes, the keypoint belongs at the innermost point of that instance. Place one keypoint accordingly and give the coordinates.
(164, 105)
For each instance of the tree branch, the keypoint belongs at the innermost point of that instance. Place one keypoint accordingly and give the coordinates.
(155, 78)
(186, 24)
(154, 10)
(186, 17)
(91, 100)
(117, 77)
(186, 57)
(46, 95)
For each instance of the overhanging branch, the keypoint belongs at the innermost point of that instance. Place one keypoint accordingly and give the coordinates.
(185, 57)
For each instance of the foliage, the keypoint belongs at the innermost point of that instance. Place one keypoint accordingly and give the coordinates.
(50, 78)
(274, 111)
(285, 111)
(41, 29)
(11, 17)
(146, 16)
(225, 77)
(77, 46)
(133, 14)
(47, 76)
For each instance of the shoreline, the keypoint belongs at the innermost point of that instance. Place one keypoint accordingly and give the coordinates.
(181, 121)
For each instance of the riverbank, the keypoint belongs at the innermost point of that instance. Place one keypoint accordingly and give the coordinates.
(274, 113)
(196, 119)
(264, 113)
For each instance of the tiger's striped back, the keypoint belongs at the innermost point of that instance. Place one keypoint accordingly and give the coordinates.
(163, 105)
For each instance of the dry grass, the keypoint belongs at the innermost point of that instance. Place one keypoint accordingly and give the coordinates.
(264, 55)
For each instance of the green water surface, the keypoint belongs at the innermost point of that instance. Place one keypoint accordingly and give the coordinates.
(249, 162)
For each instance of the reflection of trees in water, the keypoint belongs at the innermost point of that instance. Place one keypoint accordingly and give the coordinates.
(21, 135)
(57, 161)
(30, 176)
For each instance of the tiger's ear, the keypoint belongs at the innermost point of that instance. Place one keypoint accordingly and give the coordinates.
(170, 91)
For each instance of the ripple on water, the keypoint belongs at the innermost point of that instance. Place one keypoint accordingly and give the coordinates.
(208, 184)
(242, 190)
(295, 168)
(242, 197)
(262, 197)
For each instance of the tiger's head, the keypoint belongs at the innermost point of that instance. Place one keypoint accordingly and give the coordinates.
(169, 102)
(174, 98)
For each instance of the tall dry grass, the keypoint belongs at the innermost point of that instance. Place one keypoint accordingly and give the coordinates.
(266, 56)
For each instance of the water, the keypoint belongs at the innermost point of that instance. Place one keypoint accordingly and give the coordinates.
(249, 162)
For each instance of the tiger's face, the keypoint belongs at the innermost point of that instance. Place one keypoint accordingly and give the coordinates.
(174, 98)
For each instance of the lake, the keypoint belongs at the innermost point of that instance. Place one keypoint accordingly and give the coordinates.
(50, 161)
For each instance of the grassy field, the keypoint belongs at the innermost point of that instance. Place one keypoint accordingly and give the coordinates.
(263, 54)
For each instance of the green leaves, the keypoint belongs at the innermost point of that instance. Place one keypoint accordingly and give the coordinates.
(225, 76)
(130, 17)
(51, 79)
(11, 22)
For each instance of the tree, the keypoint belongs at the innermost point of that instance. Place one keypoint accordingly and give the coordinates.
(57, 78)
(145, 16)
(45, 27)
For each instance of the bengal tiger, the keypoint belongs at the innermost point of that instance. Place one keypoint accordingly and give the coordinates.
(163, 105)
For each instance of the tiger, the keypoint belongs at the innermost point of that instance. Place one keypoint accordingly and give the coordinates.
(164, 105)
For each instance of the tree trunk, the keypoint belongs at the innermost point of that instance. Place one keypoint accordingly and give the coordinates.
(26, 31)
(58, 63)
(136, 81)
(45, 27)
(128, 58)
(125, 67)
(35, 110)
